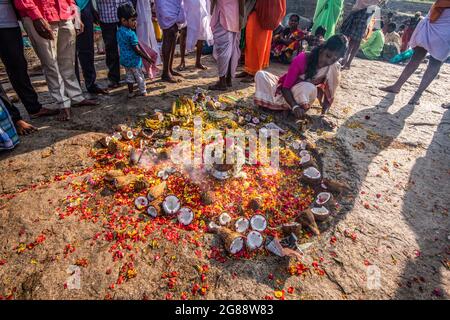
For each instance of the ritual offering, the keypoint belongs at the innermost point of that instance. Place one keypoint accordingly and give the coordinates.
(254, 240)
(292, 227)
(311, 175)
(152, 211)
(258, 223)
(105, 141)
(233, 241)
(224, 218)
(185, 216)
(242, 225)
(140, 203)
(171, 205)
(156, 191)
(307, 219)
(320, 213)
(121, 127)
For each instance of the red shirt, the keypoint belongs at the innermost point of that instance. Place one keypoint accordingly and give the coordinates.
(50, 10)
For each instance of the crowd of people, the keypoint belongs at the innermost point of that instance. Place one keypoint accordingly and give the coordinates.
(65, 34)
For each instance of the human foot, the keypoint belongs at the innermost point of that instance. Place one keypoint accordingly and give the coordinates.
(415, 100)
(182, 66)
(44, 112)
(64, 114)
(24, 128)
(200, 66)
(391, 89)
(170, 79)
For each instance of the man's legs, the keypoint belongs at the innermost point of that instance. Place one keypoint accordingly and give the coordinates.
(112, 52)
(168, 50)
(413, 64)
(183, 33)
(198, 63)
(46, 51)
(85, 50)
(11, 54)
(430, 74)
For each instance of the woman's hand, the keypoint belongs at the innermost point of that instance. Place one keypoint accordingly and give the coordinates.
(43, 28)
(81, 29)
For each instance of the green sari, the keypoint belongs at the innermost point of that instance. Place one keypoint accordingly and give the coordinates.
(327, 15)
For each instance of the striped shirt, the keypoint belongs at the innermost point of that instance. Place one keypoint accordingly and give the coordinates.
(107, 10)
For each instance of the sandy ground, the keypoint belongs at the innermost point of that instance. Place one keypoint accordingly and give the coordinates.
(395, 157)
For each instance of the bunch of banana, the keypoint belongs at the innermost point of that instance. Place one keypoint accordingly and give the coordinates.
(183, 106)
(153, 124)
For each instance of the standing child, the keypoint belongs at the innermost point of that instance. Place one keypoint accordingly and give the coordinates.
(131, 53)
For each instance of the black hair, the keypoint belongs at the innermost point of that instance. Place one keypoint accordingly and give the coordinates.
(295, 15)
(390, 13)
(336, 43)
(320, 31)
(381, 24)
(126, 11)
(392, 25)
(402, 26)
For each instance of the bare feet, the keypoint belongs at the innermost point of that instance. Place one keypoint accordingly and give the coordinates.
(200, 66)
(170, 79)
(24, 128)
(142, 94)
(85, 103)
(415, 100)
(64, 114)
(44, 112)
(182, 66)
(218, 87)
(392, 89)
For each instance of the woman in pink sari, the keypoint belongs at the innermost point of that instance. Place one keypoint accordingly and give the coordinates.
(310, 76)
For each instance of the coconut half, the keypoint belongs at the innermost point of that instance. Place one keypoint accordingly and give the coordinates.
(241, 225)
(254, 240)
(323, 198)
(117, 135)
(152, 212)
(306, 158)
(234, 242)
(303, 153)
(311, 175)
(320, 213)
(171, 205)
(163, 174)
(141, 202)
(213, 227)
(258, 223)
(224, 218)
(185, 216)
(127, 135)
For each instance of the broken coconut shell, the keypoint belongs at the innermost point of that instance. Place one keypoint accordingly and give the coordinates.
(254, 240)
(258, 223)
(224, 219)
(185, 216)
(105, 141)
(171, 205)
(233, 241)
(127, 135)
(306, 218)
(241, 225)
(255, 204)
(292, 227)
(312, 176)
(121, 127)
(140, 184)
(152, 211)
(335, 186)
(157, 191)
(207, 197)
(320, 213)
(140, 202)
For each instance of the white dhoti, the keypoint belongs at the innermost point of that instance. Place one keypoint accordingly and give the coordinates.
(268, 95)
(145, 30)
(198, 20)
(434, 37)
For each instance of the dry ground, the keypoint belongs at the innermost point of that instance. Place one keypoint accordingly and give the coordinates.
(396, 158)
